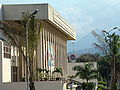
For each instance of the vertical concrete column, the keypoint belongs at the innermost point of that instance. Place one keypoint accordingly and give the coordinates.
(52, 41)
(1, 45)
(48, 46)
(60, 50)
(57, 52)
(1, 58)
(40, 53)
(66, 61)
(62, 55)
(46, 49)
(43, 64)
(1, 12)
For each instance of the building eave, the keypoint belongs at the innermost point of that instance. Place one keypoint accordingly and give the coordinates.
(46, 12)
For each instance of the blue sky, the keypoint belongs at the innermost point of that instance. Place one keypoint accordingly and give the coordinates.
(84, 15)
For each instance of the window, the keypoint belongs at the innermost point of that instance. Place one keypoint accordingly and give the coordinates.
(7, 52)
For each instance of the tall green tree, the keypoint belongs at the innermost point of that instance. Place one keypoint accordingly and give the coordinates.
(109, 43)
(30, 26)
(104, 69)
(17, 37)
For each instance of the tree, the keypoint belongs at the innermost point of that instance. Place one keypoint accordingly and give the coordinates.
(43, 74)
(109, 43)
(58, 70)
(88, 57)
(17, 37)
(86, 72)
(104, 69)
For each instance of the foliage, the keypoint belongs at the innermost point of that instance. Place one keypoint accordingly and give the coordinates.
(70, 77)
(104, 69)
(43, 70)
(58, 70)
(17, 37)
(43, 74)
(23, 79)
(109, 43)
(86, 72)
(13, 37)
(88, 57)
(88, 86)
(101, 82)
(102, 85)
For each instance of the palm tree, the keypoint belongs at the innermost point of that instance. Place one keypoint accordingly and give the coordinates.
(86, 72)
(109, 43)
(58, 70)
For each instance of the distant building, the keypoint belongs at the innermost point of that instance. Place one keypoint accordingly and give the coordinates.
(52, 50)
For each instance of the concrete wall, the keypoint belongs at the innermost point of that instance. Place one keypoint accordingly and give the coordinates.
(43, 85)
(6, 70)
(60, 42)
(14, 11)
(1, 12)
(5, 66)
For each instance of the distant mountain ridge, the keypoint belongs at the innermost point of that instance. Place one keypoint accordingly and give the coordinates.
(87, 50)
(84, 42)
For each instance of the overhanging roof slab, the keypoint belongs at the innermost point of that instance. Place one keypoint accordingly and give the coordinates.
(46, 12)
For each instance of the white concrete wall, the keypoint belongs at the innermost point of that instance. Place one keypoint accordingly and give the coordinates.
(5, 66)
(1, 12)
(1, 57)
(6, 70)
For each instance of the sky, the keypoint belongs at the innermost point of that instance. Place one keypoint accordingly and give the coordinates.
(83, 15)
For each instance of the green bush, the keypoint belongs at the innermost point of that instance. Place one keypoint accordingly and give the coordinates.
(102, 85)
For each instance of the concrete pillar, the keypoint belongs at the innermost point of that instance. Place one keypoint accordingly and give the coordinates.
(41, 62)
(1, 13)
(1, 58)
(1, 45)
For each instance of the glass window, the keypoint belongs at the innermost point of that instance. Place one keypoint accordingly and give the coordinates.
(7, 52)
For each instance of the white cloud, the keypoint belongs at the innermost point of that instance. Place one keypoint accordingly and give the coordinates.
(112, 2)
(80, 20)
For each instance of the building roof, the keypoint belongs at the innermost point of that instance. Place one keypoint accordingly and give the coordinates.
(46, 12)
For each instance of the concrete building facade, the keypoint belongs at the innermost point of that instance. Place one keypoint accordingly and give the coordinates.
(52, 48)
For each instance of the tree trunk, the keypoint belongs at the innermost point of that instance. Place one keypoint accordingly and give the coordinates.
(113, 76)
(31, 85)
(87, 85)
